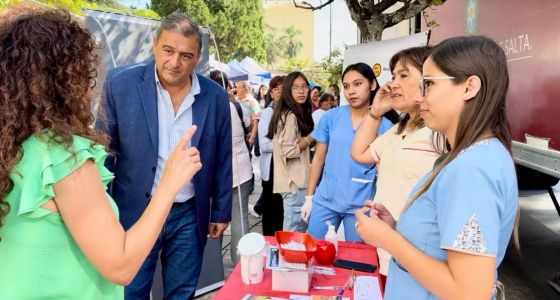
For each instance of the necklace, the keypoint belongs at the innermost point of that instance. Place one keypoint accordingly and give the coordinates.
(359, 120)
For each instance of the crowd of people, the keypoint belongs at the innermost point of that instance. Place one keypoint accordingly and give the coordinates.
(419, 167)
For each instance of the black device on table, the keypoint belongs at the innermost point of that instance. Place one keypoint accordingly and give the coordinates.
(354, 265)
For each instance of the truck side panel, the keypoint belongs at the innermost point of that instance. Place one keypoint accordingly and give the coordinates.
(529, 32)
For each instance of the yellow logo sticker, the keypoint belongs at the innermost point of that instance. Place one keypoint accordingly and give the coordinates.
(376, 70)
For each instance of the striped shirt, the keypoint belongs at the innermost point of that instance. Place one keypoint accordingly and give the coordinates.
(171, 128)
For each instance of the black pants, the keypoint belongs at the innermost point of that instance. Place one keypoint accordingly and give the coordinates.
(272, 207)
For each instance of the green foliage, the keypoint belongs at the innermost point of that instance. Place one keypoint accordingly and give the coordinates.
(435, 2)
(7, 3)
(293, 45)
(197, 9)
(332, 65)
(317, 75)
(146, 13)
(75, 7)
(239, 30)
(296, 64)
(323, 74)
(274, 46)
(285, 46)
(109, 3)
(237, 24)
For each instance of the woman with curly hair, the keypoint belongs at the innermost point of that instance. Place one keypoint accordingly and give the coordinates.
(59, 229)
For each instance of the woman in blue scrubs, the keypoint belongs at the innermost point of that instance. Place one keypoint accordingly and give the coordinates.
(456, 226)
(345, 184)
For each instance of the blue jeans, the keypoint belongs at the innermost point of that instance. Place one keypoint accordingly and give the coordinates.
(181, 257)
(321, 214)
(292, 211)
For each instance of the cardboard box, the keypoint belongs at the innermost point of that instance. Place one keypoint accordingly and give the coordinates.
(294, 279)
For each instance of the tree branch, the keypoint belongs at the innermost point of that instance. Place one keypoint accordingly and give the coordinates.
(406, 12)
(306, 5)
(384, 5)
(357, 12)
(355, 9)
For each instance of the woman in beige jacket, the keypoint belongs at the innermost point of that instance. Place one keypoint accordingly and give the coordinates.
(290, 131)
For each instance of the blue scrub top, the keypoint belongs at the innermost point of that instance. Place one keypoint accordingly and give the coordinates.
(470, 207)
(345, 184)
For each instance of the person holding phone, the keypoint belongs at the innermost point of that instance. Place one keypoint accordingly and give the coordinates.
(408, 150)
(459, 218)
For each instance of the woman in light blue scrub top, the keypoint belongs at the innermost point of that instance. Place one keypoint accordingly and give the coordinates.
(345, 184)
(454, 231)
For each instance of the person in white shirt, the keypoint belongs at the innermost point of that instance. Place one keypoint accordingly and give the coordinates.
(325, 103)
(262, 96)
(242, 170)
(242, 173)
(272, 204)
(250, 108)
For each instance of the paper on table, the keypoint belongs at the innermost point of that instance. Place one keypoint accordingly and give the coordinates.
(314, 297)
(294, 266)
(367, 288)
(253, 297)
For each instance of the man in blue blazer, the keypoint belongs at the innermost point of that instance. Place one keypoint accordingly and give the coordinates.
(147, 109)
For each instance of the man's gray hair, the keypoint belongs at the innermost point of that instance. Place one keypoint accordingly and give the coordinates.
(245, 84)
(182, 23)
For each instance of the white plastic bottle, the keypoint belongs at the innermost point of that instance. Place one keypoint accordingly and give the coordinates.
(331, 235)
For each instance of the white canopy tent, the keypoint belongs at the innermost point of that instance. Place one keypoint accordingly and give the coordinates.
(233, 73)
(252, 67)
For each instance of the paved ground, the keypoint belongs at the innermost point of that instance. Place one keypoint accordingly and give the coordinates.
(524, 273)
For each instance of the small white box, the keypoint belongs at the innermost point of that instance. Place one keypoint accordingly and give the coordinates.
(291, 280)
(536, 141)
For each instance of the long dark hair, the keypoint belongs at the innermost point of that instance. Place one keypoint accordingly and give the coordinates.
(410, 57)
(367, 72)
(288, 104)
(48, 70)
(462, 57)
(336, 89)
(259, 97)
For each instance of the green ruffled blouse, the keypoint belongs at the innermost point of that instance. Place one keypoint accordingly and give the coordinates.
(39, 259)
